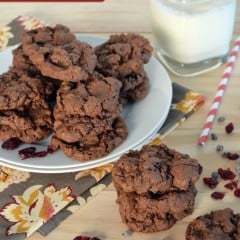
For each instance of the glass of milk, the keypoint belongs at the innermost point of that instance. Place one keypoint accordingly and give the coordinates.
(192, 36)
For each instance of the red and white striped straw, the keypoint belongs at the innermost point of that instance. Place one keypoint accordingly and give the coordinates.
(220, 92)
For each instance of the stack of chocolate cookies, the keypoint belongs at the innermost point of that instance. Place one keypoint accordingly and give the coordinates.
(155, 187)
(85, 87)
(87, 118)
(86, 115)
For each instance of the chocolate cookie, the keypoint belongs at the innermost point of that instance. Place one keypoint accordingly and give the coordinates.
(30, 124)
(123, 54)
(135, 88)
(107, 141)
(140, 46)
(76, 128)
(24, 111)
(122, 57)
(22, 64)
(57, 54)
(99, 97)
(217, 225)
(155, 168)
(18, 91)
(155, 212)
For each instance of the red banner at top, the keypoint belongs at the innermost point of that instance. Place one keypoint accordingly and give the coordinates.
(51, 1)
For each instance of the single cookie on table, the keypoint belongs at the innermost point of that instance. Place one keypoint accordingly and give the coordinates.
(155, 212)
(57, 54)
(123, 57)
(99, 97)
(24, 111)
(155, 168)
(107, 141)
(217, 225)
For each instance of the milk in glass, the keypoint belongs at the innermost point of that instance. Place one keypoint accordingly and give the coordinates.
(192, 36)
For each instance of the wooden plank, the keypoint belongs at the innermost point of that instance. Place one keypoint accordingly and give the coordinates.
(109, 16)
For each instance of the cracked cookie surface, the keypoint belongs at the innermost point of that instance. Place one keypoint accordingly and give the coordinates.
(24, 111)
(123, 57)
(57, 54)
(123, 54)
(18, 91)
(107, 141)
(155, 212)
(99, 97)
(82, 129)
(155, 168)
(216, 225)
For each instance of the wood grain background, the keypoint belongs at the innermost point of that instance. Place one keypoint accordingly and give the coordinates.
(127, 15)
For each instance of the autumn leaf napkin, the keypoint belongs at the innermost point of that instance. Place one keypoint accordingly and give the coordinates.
(32, 202)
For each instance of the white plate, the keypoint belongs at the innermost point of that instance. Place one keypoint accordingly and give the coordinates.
(143, 119)
(67, 169)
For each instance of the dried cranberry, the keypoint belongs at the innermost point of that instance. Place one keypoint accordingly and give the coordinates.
(27, 152)
(40, 154)
(231, 185)
(30, 152)
(217, 195)
(229, 127)
(235, 184)
(226, 174)
(231, 156)
(82, 238)
(211, 182)
(50, 149)
(237, 192)
(11, 143)
(86, 238)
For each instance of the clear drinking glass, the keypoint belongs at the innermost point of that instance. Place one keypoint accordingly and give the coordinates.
(192, 36)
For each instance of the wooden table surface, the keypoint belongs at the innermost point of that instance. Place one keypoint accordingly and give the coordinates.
(100, 216)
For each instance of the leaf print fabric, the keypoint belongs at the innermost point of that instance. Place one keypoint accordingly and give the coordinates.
(190, 103)
(98, 173)
(29, 211)
(29, 23)
(5, 35)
